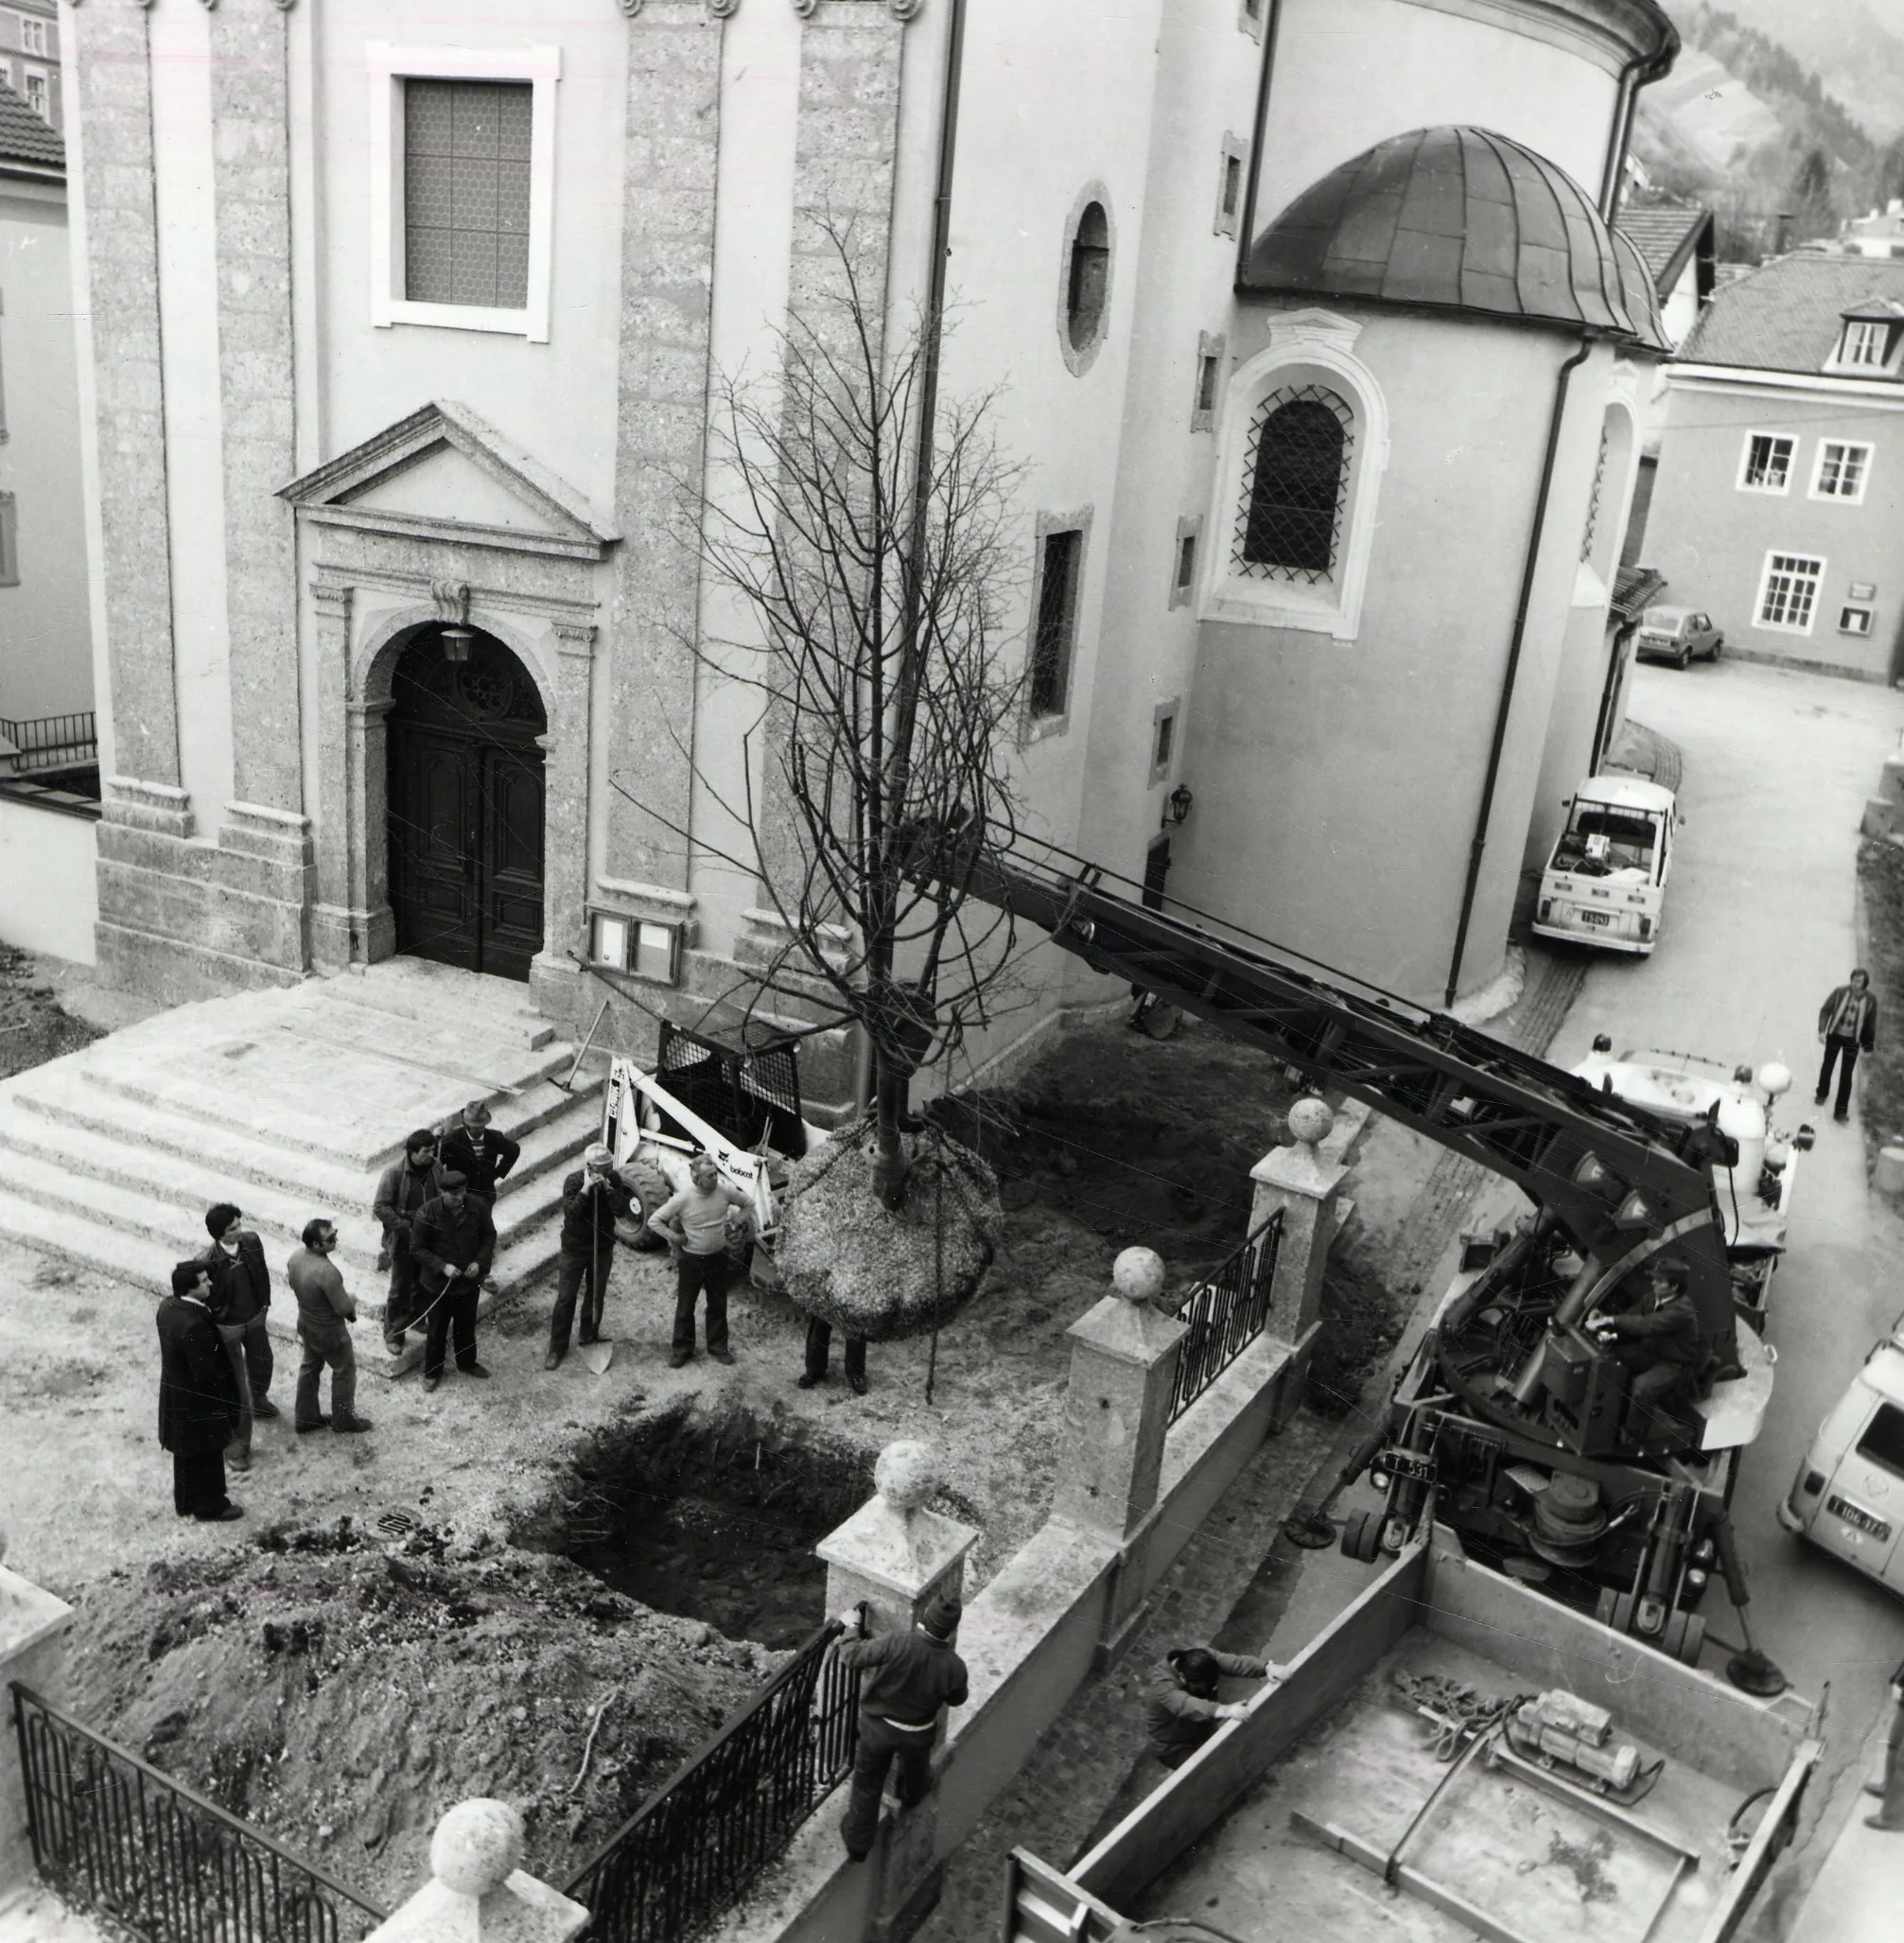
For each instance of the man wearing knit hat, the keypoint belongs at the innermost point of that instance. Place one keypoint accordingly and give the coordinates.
(904, 1680)
(593, 1199)
(454, 1244)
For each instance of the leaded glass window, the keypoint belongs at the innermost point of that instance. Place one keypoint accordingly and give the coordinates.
(1295, 490)
(465, 193)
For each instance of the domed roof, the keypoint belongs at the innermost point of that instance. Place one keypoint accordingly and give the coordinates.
(1460, 218)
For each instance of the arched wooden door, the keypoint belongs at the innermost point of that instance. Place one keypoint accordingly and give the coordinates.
(466, 806)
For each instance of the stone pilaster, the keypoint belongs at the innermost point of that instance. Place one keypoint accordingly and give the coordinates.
(108, 47)
(335, 927)
(367, 781)
(667, 285)
(565, 845)
(1305, 1189)
(1123, 1357)
(252, 239)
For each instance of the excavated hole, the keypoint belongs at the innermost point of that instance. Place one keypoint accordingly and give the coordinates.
(712, 1517)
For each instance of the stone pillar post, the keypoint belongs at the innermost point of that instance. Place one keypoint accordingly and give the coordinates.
(32, 1651)
(1304, 1188)
(1117, 1407)
(897, 1557)
(566, 824)
(477, 1893)
(368, 783)
(333, 933)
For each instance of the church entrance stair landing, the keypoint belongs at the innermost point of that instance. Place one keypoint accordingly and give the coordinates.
(288, 1103)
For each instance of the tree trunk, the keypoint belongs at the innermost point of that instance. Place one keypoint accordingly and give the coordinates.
(890, 1165)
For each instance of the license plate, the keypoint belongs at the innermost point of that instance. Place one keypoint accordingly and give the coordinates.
(1595, 916)
(1857, 1519)
(1406, 1464)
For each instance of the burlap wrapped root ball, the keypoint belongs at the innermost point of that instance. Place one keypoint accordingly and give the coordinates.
(845, 1259)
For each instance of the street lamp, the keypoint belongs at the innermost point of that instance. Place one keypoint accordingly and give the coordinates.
(1178, 806)
(456, 644)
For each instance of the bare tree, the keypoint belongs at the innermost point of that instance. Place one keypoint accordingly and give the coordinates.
(862, 524)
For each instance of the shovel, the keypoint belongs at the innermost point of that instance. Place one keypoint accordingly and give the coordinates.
(598, 1355)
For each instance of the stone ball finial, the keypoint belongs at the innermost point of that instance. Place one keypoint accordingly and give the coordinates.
(1137, 1275)
(906, 1474)
(477, 1847)
(1311, 1121)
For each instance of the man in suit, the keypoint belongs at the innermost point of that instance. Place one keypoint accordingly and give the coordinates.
(401, 1191)
(594, 1198)
(454, 1244)
(198, 1392)
(1848, 1026)
(325, 1312)
(241, 1292)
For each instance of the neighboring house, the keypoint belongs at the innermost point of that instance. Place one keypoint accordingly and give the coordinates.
(1675, 242)
(29, 55)
(1325, 451)
(1880, 233)
(1780, 494)
(47, 753)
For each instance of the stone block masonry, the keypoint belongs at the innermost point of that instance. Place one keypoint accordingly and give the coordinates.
(111, 66)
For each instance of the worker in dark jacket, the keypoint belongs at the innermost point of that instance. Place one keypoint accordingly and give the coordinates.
(454, 1243)
(904, 1679)
(401, 1191)
(198, 1392)
(1660, 1347)
(1848, 1026)
(480, 1155)
(1181, 1710)
(594, 1198)
(241, 1292)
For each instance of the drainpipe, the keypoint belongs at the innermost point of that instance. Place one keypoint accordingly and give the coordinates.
(1246, 228)
(1527, 571)
(1641, 69)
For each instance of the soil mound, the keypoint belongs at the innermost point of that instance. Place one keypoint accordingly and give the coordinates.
(341, 1692)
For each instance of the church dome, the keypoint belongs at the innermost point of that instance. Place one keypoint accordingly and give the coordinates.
(1460, 219)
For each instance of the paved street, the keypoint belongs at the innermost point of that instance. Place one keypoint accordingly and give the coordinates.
(1760, 925)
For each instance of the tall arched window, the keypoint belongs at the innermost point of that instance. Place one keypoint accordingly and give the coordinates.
(1087, 276)
(1289, 519)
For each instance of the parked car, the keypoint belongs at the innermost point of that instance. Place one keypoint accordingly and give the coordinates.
(1848, 1495)
(1606, 881)
(1679, 634)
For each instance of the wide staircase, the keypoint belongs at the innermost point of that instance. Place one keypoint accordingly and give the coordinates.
(289, 1103)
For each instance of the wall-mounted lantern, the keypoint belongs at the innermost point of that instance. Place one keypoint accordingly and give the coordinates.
(1178, 806)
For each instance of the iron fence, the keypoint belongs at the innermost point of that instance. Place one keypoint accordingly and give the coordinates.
(694, 1845)
(112, 1835)
(53, 742)
(1226, 1314)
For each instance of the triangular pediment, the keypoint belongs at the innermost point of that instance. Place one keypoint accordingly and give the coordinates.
(442, 473)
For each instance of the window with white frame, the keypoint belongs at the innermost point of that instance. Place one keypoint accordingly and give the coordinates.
(1853, 620)
(34, 91)
(7, 73)
(1866, 343)
(462, 186)
(1767, 467)
(1789, 595)
(1302, 446)
(33, 37)
(1054, 633)
(1841, 466)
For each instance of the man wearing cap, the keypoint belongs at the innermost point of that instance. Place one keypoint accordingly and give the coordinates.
(401, 1191)
(904, 1680)
(199, 1388)
(1181, 1710)
(454, 1243)
(695, 1221)
(593, 1199)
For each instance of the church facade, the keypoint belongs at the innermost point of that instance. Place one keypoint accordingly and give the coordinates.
(1323, 369)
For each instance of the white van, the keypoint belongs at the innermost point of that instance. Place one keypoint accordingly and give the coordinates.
(1606, 880)
(1849, 1497)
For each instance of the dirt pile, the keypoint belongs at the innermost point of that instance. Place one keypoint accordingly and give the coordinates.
(342, 1691)
(34, 1027)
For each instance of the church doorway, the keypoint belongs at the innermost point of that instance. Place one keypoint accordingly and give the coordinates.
(466, 805)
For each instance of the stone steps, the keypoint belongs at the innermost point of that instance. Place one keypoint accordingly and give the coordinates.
(288, 1103)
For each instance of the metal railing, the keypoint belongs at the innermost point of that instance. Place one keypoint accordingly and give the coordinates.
(112, 1835)
(694, 1845)
(1226, 1314)
(53, 742)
